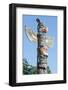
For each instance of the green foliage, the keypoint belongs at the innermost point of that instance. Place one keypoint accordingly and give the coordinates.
(29, 69)
(48, 70)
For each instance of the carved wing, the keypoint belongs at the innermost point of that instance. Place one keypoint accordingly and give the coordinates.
(32, 36)
(50, 41)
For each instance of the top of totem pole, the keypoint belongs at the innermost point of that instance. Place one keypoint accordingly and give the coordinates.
(41, 28)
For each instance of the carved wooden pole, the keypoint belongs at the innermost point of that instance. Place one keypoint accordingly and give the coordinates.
(43, 43)
(42, 49)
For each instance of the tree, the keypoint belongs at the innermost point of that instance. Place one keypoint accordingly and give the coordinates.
(48, 70)
(28, 69)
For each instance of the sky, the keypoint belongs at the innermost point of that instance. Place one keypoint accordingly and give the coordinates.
(30, 49)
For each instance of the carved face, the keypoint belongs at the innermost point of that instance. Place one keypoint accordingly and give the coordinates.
(44, 29)
(44, 50)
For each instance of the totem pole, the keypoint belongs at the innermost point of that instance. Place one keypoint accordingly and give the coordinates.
(43, 43)
(42, 48)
